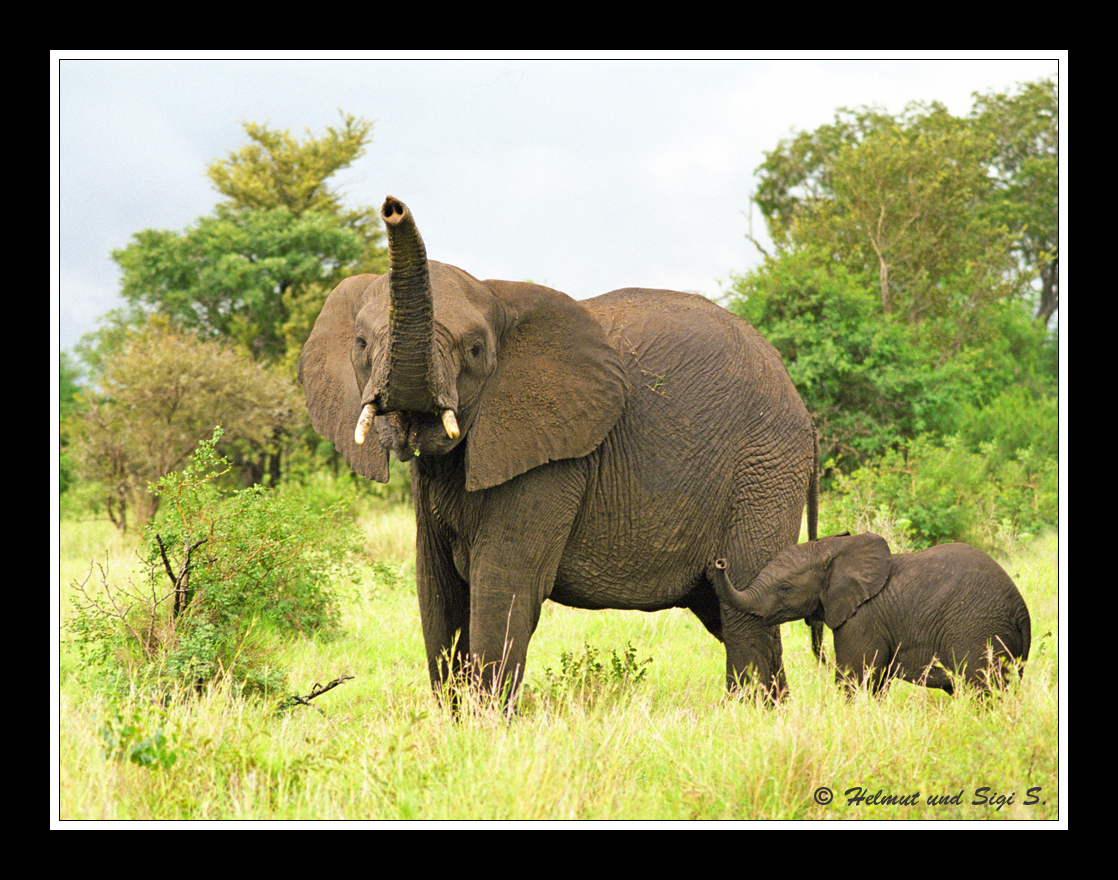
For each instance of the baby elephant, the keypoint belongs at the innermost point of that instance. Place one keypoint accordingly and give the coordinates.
(916, 616)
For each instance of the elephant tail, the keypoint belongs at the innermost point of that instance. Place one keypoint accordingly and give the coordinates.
(813, 489)
(1016, 658)
(817, 647)
(1025, 627)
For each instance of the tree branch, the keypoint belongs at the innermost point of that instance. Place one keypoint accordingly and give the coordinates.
(316, 691)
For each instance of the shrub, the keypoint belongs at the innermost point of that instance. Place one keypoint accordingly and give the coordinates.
(227, 577)
(933, 491)
(590, 677)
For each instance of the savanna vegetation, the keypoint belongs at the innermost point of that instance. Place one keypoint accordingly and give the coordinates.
(239, 637)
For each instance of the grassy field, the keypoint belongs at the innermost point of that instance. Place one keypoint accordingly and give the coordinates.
(650, 737)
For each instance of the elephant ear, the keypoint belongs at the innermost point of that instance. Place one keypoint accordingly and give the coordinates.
(329, 383)
(859, 570)
(558, 387)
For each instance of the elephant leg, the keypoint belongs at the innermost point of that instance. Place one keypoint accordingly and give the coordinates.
(501, 625)
(817, 647)
(754, 656)
(857, 666)
(870, 671)
(514, 561)
(444, 613)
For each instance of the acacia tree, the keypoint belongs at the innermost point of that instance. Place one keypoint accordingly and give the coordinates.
(265, 259)
(256, 271)
(899, 291)
(275, 170)
(899, 199)
(235, 275)
(1025, 167)
(920, 191)
(161, 395)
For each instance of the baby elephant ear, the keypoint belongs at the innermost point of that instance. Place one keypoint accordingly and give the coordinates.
(859, 570)
(329, 383)
(558, 388)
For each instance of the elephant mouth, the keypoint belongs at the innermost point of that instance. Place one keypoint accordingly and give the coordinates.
(412, 433)
(408, 431)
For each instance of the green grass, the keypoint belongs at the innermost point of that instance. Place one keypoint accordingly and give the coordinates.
(671, 746)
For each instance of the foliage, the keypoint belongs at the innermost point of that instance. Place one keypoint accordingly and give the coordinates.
(900, 208)
(251, 276)
(238, 274)
(69, 393)
(871, 381)
(226, 575)
(257, 270)
(1024, 129)
(160, 396)
(275, 170)
(934, 204)
(936, 491)
(589, 678)
(900, 300)
(125, 738)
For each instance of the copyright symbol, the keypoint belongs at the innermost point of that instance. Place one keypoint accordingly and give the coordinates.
(823, 796)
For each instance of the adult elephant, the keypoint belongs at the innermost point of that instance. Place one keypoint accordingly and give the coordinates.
(598, 453)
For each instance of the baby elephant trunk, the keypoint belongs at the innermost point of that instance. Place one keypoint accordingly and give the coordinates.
(725, 588)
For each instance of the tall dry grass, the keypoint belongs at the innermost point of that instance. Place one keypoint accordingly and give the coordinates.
(671, 747)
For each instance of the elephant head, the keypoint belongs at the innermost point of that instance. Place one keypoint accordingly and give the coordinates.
(828, 579)
(426, 358)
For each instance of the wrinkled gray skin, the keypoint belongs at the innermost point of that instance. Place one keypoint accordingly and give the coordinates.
(909, 616)
(595, 453)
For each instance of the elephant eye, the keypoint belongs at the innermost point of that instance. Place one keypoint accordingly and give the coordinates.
(476, 350)
(360, 343)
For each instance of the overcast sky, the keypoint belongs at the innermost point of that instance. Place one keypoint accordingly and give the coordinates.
(583, 174)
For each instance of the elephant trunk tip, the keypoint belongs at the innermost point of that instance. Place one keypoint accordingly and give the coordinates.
(720, 564)
(393, 211)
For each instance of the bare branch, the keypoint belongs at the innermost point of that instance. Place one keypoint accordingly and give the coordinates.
(316, 691)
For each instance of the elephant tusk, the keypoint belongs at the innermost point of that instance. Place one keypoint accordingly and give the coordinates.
(363, 424)
(450, 423)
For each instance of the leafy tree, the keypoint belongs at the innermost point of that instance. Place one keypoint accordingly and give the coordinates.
(933, 490)
(866, 378)
(235, 275)
(275, 170)
(1024, 128)
(900, 202)
(256, 271)
(160, 396)
(898, 294)
(796, 175)
(914, 189)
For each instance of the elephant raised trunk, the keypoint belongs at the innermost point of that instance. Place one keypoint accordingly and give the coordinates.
(410, 383)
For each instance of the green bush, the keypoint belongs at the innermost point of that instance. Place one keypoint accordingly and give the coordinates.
(123, 737)
(228, 577)
(874, 382)
(932, 491)
(590, 677)
(864, 377)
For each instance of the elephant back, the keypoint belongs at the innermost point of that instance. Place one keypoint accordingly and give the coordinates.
(711, 407)
(688, 350)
